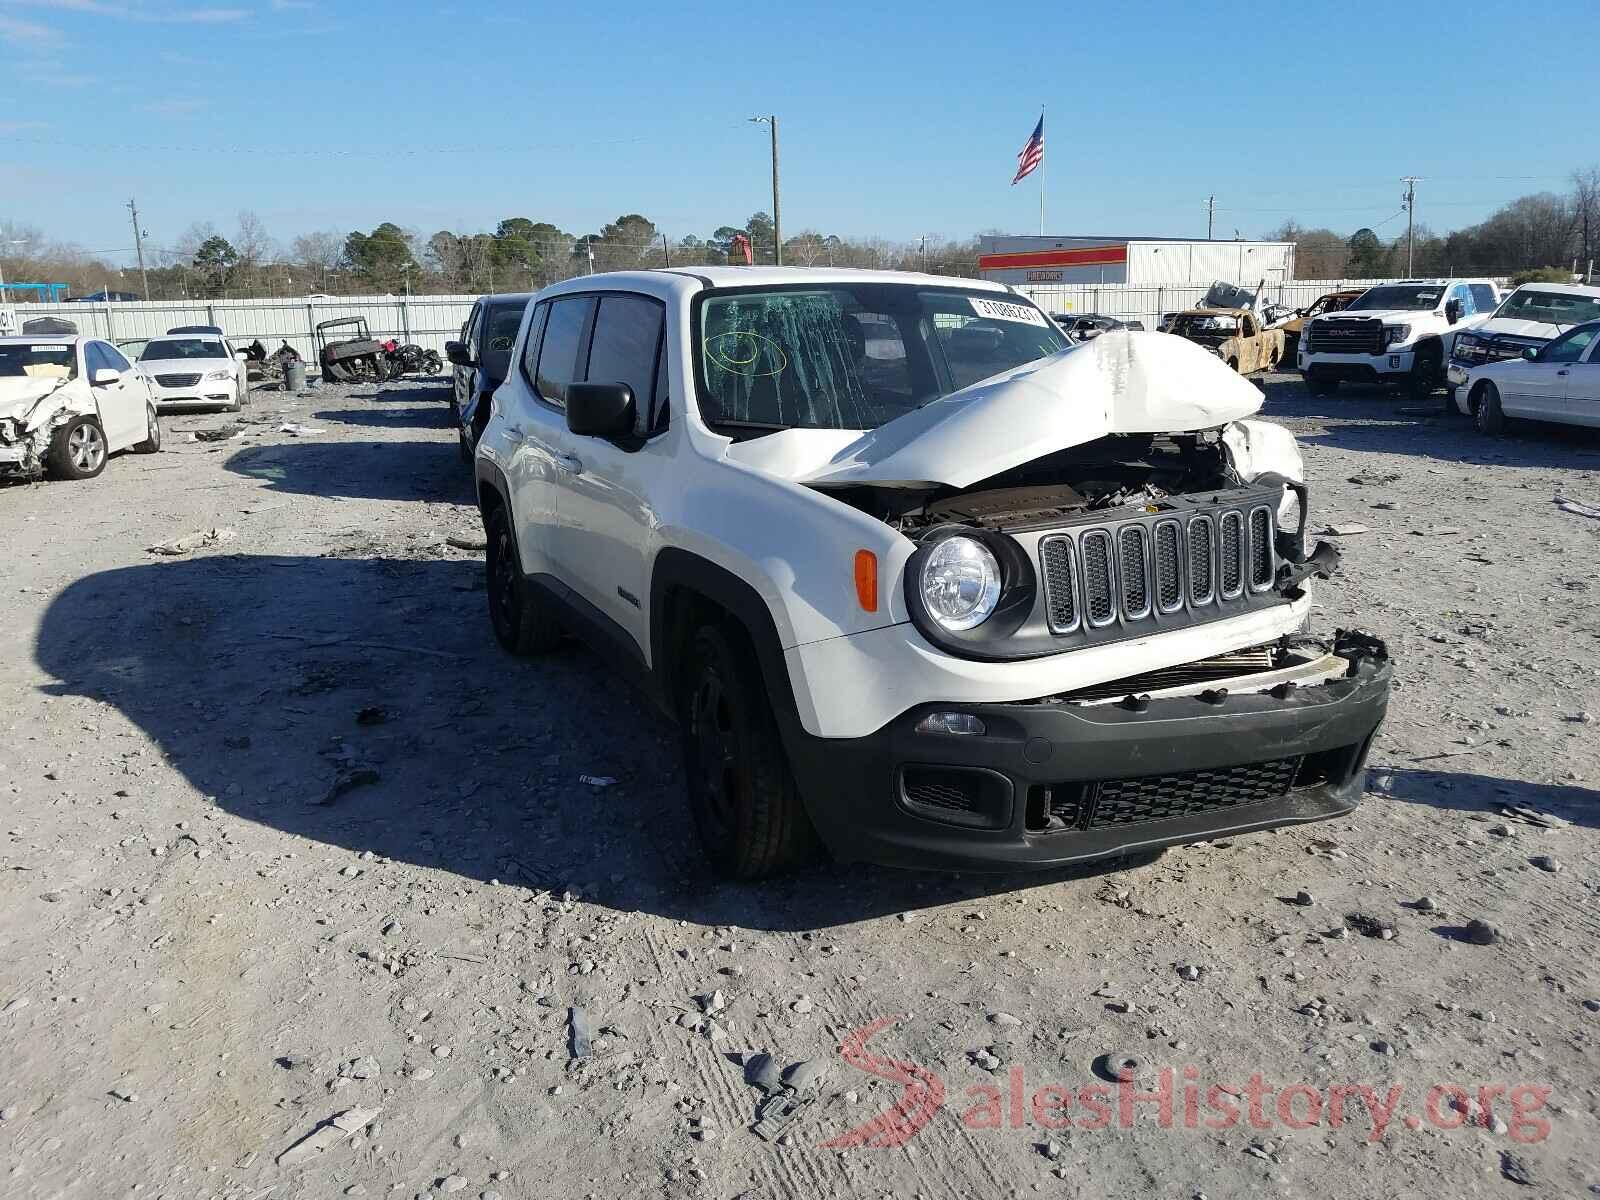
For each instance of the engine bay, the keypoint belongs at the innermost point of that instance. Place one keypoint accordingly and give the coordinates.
(1108, 473)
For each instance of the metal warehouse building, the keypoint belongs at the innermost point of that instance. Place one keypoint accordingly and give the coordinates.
(1146, 261)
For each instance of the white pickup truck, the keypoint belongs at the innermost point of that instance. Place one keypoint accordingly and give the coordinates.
(1394, 333)
(1527, 319)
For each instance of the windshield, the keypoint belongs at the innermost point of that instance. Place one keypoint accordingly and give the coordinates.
(183, 348)
(503, 322)
(1192, 323)
(853, 356)
(1398, 296)
(40, 360)
(1552, 308)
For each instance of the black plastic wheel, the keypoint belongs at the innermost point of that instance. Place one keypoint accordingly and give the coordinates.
(522, 625)
(742, 794)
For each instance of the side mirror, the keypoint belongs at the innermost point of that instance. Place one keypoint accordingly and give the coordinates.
(241, 356)
(456, 352)
(1531, 354)
(1452, 311)
(602, 410)
(105, 376)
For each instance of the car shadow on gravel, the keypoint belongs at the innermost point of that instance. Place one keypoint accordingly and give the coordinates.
(361, 703)
(412, 416)
(381, 470)
(1467, 792)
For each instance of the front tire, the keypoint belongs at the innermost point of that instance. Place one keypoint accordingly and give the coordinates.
(1490, 417)
(77, 451)
(742, 794)
(522, 623)
(1426, 372)
(152, 440)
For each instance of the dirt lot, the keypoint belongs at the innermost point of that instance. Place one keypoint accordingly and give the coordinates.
(287, 836)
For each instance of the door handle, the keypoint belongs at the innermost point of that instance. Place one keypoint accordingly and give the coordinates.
(570, 463)
(1563, 371)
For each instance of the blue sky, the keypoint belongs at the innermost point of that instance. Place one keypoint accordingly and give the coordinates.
(897, 119)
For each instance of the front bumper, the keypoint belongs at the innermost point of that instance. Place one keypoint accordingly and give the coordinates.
(1357, 368)
(206, 393)
(1054, 782)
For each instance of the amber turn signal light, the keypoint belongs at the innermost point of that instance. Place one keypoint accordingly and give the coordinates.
(867, 580)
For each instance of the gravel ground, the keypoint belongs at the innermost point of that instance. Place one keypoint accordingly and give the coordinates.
(288, 839)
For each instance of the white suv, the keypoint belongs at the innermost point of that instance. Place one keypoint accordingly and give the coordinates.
(915, 577)
(1397, 333)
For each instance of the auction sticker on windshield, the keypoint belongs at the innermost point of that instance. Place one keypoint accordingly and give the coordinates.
(999, 310)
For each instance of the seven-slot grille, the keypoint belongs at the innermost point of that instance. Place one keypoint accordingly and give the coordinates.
(1346, 336)
(174, 381)
(1145, 569)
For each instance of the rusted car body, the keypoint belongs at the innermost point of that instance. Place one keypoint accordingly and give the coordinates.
(1234, 335)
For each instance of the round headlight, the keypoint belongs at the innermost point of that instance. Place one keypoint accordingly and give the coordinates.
(960, 583)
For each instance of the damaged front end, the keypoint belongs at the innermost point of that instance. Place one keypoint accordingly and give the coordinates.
(28, 423)
(1130, 535)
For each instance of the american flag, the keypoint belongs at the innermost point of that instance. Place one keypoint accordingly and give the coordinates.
(1031, 155)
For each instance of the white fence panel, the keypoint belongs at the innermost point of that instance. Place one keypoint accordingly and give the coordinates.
(429, 321)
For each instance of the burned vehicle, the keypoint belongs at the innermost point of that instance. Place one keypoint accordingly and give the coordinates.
(68, 404)
(1235, 335)
(357, 357)
(989, 600)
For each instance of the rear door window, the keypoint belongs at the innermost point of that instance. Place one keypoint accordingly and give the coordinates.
(563, 340)
(627, 336)
(1482, 297)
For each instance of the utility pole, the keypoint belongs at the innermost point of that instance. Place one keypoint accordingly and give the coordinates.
(138, 244)
(924, 254)
(777, 216)
(1211, 214)
(1410, 201)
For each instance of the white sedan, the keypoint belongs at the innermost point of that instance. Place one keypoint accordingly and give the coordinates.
(1558, 382)
(193, 370)
(69, 403)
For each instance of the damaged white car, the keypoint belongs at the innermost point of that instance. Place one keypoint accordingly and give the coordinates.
(69, 403)
(918, 580)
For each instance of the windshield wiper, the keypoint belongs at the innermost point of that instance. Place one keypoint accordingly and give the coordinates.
(720, 423)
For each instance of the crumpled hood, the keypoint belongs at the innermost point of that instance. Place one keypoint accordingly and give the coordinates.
(1515, 327)
(18, 394)
(1121, 382)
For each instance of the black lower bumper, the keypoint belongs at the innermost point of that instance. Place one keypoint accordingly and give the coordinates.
(1348, 372)
(1052, 782)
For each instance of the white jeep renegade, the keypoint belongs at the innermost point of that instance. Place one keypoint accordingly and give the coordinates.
(917, 578)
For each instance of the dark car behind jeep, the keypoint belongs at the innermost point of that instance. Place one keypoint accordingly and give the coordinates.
(480, 360)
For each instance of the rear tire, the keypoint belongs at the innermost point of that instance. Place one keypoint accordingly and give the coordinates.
(152, 441)
(523, 624)
(742, 794)
(1490, 417)
(77, 451)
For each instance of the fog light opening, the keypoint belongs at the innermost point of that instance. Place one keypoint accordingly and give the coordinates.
(963, 724)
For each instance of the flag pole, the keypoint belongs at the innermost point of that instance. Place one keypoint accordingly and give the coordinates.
(1041, 170)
